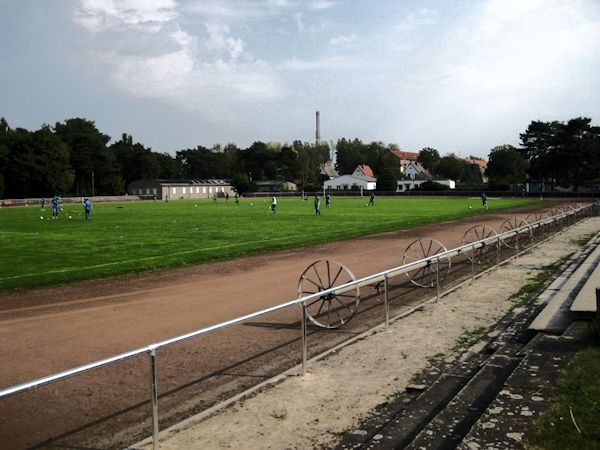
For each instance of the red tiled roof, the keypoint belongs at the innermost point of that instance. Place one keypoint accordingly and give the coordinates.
(482, 164)
(366, 170)
(410, 156)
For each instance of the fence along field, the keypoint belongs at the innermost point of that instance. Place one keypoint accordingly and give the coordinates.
(138, 236)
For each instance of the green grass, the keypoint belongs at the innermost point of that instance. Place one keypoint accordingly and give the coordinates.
(137, 236)
(573, 421)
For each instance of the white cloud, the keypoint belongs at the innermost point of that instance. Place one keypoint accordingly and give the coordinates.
(299, 21)
(318, 5)
(515, 44)
(99, 15)
(192, 72)
(330, 63)
(432, 68)
(416, 21)
(220, 39)
(343, 39)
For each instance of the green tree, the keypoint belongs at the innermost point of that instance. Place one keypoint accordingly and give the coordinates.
(506, 166)
(202, 163)
(386, 180)
(288, 164)
(39, 164)
(310, 159)
(169, 166)
(242, 184)
(259, 162)
(541, 143)
(96, 170)
(450, 167)
(428, 158)
(350, 154)
(579, 152)
(4, 138)
(471, 173)
(562, 153)
(134, 161)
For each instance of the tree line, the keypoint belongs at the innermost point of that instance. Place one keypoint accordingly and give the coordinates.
(75, 158)
(552, 154)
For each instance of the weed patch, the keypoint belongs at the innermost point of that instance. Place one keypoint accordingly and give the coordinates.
(573, 421)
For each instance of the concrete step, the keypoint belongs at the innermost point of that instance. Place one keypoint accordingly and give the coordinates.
(396, 424)
(449, 399)
(449, 427)
(560, 296)
(507, 419)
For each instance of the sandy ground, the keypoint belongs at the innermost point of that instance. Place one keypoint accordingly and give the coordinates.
(313, 411)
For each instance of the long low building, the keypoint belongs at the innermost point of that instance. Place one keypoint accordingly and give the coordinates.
(180, 188)
(347, 182)
(407, 185)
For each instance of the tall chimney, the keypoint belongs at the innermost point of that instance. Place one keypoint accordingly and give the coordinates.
(318, 131)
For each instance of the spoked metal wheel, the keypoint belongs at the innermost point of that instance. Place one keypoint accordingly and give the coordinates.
(422, 249)
(525, 237)
(555, 212)
(573, 208)
(485, 254)
(334, 309)
(536, 217)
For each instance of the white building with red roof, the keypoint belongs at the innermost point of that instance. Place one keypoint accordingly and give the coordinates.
(404, 158)
(363, 170)
(362, 178)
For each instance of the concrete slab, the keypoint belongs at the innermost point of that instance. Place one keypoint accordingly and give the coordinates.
(505, 423)
(449, 427)
(560, 295)
(525, 395)
(585, 301)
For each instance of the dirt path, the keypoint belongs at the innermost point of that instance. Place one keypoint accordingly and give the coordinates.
(50, 330)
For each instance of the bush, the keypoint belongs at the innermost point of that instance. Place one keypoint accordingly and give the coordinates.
(431, 186)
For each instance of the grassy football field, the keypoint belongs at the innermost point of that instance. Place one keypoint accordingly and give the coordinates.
(137, 236)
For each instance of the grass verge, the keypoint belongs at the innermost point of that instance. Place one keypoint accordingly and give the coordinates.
(573, 421)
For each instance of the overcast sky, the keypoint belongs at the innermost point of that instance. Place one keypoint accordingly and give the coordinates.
(458, 75)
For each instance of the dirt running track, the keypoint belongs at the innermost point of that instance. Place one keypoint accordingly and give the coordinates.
(51, 330)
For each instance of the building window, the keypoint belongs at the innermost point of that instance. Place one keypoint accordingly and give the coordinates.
(210, 189)
(204, 189)
(154, 191)
(174, 191)
(222, 189)
(183, 190)
(197, 190)
(147, 190)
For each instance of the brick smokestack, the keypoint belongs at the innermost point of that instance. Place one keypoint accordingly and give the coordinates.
(318, 129)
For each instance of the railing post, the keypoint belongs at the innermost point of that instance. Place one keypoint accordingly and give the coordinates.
(386, 300)
(154, 397)
(437, 278)
(304, 344)
(498, 254)
(598, 311)
(473, 264)
(517, 244)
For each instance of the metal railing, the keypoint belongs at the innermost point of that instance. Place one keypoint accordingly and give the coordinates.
(381, 277)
